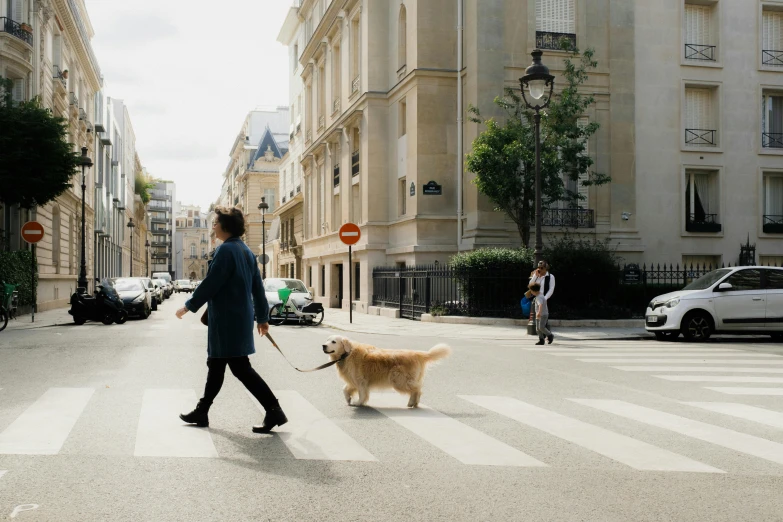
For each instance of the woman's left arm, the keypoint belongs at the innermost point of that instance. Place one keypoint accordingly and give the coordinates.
(260, 303)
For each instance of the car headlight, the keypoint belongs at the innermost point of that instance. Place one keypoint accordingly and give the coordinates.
(672, 303)
(651, 305)
(138, 299)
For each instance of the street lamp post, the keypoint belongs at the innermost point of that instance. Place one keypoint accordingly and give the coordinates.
(537, 79)
(86, 163)
(131, 226)
(263, 207)
(147, 259)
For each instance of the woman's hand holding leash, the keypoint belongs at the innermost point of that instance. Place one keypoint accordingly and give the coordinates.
(181, 312)
(263, 329)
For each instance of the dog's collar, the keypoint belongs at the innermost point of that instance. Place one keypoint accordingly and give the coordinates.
(343, 357)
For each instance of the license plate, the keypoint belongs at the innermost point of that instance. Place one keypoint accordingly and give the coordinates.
(652, 318)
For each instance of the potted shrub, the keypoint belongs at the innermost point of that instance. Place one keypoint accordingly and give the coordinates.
(65, 74)
(27, 28)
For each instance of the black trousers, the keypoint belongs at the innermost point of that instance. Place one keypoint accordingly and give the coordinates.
(240, 367)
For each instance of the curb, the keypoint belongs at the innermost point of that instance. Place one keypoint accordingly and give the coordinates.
(557, 323)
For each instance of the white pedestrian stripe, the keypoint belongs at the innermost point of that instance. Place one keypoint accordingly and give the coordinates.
(722, 378)
(743, 411)
(310, 435)
(762, 392)
(704, 369)
(459, 440)
(3, 472)
(162, 434)
(631, 360)
(611, 351)
(626, 450)
(734, 440)
(655, 354)
(43, 427)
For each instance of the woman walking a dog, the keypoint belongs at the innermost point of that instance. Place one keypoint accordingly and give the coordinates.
(234, 290)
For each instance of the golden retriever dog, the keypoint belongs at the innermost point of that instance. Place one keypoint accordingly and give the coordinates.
(367, 367)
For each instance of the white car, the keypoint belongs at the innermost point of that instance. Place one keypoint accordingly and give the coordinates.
(299, 293)
(183, 285)
(740, 300)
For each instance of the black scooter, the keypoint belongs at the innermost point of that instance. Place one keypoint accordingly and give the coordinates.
(105, 306)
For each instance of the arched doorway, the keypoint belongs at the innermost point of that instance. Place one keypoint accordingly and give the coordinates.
(192, 276)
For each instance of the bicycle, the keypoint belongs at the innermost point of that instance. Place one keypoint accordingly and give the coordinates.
(311, 314)
(9, 302)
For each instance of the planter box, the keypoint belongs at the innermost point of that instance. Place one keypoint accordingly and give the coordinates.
(773, 228)
(703, 227)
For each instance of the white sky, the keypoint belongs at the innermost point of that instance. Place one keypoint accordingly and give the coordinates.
(189, 72)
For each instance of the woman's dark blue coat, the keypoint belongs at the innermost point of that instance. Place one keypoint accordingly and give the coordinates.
(234, 290)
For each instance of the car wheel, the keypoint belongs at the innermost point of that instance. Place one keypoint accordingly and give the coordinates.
(79, 320)
(146, 313)
(108, 318)
(122, 316)
(155, 304)
(697, 326)
(667, 336)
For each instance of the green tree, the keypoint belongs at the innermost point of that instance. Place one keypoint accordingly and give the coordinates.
(37, 161)
(142, 187)
(503, 156)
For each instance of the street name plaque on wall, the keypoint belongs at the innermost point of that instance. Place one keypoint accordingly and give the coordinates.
(632, 275)
(432, 189)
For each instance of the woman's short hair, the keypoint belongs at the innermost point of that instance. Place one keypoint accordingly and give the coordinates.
(231, 220)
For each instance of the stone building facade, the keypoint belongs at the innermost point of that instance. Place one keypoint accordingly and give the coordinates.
(191, 243)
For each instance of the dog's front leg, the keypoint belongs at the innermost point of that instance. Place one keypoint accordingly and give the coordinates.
(348, 391)
(364, 394)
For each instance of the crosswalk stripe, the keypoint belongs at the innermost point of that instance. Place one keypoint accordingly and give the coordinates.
(630, 360)
(310, 435)
(612, 351)
(626, 450)
(43, 427)
(655, 354)
(722, 378)
(162, 434)
(743, 411)
(727, 369)
(3, 472)
(734, 440)
(730, 390)
(459, 440)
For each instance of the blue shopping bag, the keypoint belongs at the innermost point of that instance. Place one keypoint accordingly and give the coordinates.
(525, 303)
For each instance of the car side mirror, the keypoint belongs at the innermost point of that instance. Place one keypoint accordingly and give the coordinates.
(724, 287)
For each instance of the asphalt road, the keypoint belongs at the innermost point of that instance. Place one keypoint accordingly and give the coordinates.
(594, 431)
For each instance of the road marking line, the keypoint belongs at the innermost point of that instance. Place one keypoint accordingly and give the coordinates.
(43, 427)
(162, 434)
(656, 354)
(721, 378)
(729, 390)
(727, 369)
(3, 472)
(626, 450)
(743, 411)
(684, 361)
(611, 351)
(464, 443)
(310, 435)
(733, 440)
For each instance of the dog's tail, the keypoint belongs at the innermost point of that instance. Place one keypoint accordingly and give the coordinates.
(437, 352)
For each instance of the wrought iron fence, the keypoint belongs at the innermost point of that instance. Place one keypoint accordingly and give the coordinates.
(700, 136)
(700, 52)
(568, 218)
(555, 41)
(620, 294)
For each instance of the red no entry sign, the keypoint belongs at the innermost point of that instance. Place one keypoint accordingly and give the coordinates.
(350, 234)
(32, 232)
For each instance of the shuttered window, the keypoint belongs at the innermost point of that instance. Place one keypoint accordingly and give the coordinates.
(772, 31)
(556, 16)
(698, 20)
(18, 92)
(699, 117)
(772, 120)
(17, 11)
(773, 195)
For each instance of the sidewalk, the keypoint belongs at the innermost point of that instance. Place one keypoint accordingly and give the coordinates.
(56, 317)
(374, 324)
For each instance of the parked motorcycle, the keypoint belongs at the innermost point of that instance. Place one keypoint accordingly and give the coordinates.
(104, 306)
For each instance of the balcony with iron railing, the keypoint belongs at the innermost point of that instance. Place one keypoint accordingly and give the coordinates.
(772, 140)
(59, 76)
(160, 196)
(703, 223)
(568, 218)
(772, 58)
(19, 30)
(555, 41)
(773, 224)
(73, 101)
(82, 115)
(701, 137)
(298, 189)
(700, 52)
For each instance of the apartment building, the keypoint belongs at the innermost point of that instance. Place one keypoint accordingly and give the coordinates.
(163, 227)
(45, 49)
(191, 243)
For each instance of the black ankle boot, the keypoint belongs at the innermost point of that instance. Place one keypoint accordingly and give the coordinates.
(198, 416)
(274, 417)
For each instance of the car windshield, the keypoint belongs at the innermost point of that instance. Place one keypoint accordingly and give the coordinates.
(709, 279)
(296, 286)
(127, 285)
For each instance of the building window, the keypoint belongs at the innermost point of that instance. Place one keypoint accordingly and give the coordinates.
(336, 171)
(192, 250)
(772, 121)
(402, 38)
(701, 129)
(403, 118)
(269, 195)
(701, 201)
(700, 33)
(555, 24)
(773, 203)
(402, 197)
(295, 57)
(356, 281)
(336, 78)
(310, 276)
(18, 90)
(772, 38)
(355, 166)
(355, 54)
(56, 225)
(321, 97)
(323, 280)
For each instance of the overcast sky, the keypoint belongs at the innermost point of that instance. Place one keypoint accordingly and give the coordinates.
(189, 71)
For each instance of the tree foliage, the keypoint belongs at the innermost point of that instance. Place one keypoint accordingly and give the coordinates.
(503, 157)
(142, 187)
(38, 163)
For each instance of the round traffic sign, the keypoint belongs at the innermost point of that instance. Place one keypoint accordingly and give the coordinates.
(263, 259)
(350, 234)
(32, 232)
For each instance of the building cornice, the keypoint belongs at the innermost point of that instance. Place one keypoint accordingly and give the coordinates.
(69, 19)
(320, 32)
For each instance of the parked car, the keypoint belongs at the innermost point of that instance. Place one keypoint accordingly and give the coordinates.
(183, 285)
(135, 296)
(162, 288)
(156, 294)
(167, 287)
(162, 275)
(299, 293)
(740, 300)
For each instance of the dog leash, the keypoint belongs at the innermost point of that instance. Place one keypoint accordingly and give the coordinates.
(331, 363)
